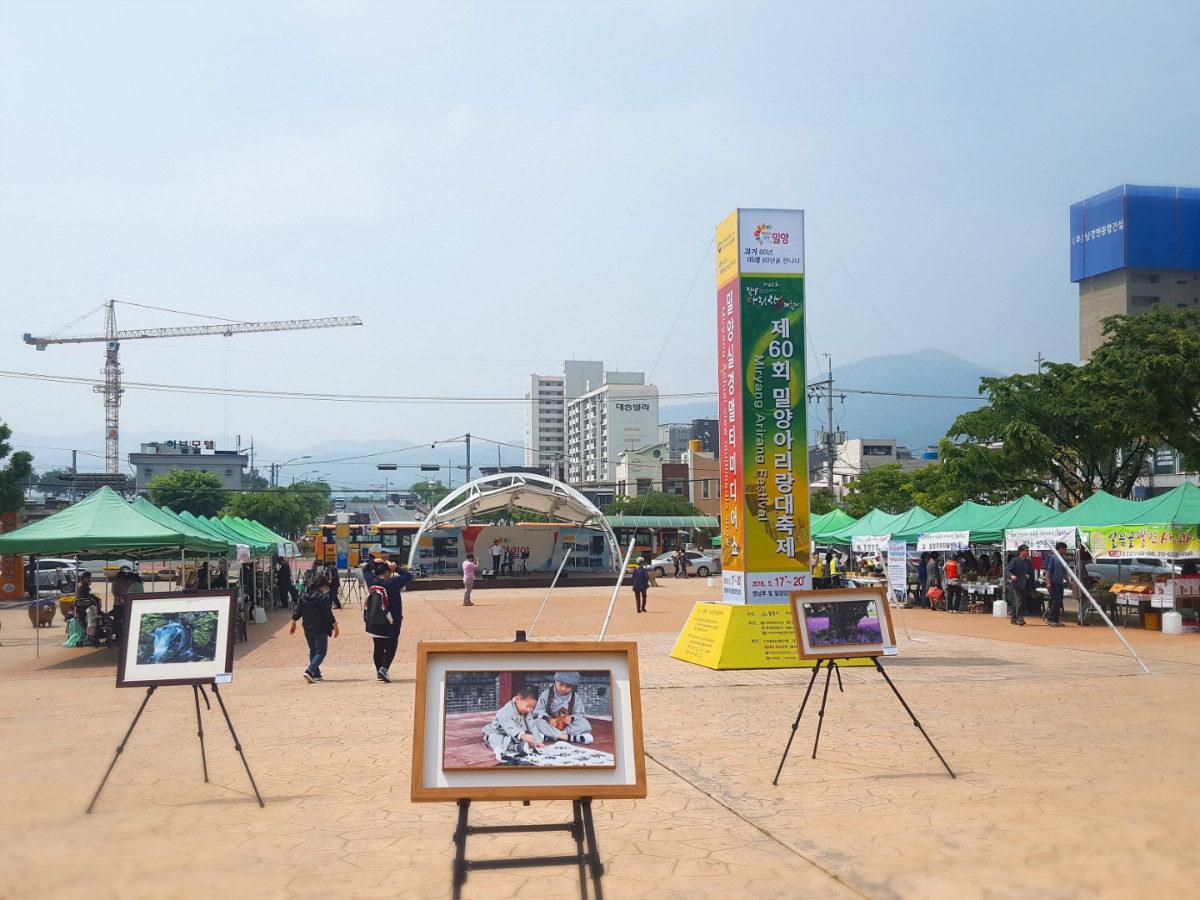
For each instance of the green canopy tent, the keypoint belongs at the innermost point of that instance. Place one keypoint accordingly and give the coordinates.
(959, 521)
(824, 524)
(1180, 506)
(258, 530)
(1024, 512)
(170, 520)
(878, 524)
(104, 526)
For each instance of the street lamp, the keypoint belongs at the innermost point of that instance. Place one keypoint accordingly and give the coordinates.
(275, 467)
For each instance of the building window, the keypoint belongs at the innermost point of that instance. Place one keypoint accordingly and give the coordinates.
(704, 495)
(644, 486)
(876, 450)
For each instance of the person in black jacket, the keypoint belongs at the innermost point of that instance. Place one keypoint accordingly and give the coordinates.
(319, 625)
(1020, 576)
(387, 637)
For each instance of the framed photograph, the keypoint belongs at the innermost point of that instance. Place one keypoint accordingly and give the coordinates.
(527, 721)
(843, 623)
(176, 638)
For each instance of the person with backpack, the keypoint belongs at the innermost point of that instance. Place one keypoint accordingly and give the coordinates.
(316, 612)
(383, 613)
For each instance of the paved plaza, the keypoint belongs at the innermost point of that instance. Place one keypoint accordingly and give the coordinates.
(1076, 774)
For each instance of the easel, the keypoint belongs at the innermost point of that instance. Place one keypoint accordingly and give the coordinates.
(357, 586)
(830, 666)
(581, 828)
(197, 692)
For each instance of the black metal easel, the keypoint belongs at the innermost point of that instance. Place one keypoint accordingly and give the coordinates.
(197, 692)
(581, 828)
(830, 666)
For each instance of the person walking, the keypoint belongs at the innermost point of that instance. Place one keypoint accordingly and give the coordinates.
(285, 587)
(1056, 580)
(1020, 575)
(675, 560)
(387, 636)
(933, 579)
(641, 581)
(335, 585)
(315, 610)
(469, 567)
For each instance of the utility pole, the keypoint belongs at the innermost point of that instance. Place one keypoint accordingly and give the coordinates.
(828, 439)
(468, 481)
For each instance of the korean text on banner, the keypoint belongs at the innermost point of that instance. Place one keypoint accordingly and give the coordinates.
(764, 479)
(941, 541)
(1128, 541)
(897, 568)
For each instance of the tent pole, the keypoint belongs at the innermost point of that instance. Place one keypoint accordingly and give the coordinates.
(553, 582)
(1096, 606)
(617, 588)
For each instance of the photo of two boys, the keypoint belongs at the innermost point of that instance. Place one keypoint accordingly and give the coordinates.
(560, 719)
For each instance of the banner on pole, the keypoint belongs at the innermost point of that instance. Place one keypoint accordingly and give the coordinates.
(763, 426)
(1128, 541)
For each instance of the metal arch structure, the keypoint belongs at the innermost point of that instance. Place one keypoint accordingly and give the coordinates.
(560, 502)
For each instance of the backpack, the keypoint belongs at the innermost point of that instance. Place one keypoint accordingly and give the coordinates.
(375, 611)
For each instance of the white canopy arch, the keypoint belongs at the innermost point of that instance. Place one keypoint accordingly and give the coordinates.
(524, 490)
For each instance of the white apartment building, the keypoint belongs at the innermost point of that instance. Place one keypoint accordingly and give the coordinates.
(545, 411)
(619, 415)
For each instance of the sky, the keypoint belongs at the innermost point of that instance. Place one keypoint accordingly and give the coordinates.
(494, 188)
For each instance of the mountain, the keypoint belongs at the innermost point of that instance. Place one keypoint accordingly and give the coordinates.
(914, 421)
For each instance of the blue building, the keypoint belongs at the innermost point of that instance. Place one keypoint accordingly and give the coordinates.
(1133, 247)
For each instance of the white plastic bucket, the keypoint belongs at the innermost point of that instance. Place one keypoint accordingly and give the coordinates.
(1172, 623)
(999, 609)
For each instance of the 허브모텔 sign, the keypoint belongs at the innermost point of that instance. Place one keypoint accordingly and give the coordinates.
(764, 449)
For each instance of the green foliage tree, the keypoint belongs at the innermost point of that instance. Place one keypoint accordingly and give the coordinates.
(822, 501)
(200, 493)
(653, 503)
(430, 492)
(314, 496)
(1063, 432)
(282, 510)
(55, 481)
(252, 481)
(15, 475)
(884, 487)
(1149, 369)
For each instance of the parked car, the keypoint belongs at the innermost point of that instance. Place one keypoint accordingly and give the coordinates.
(698, 563)
(55, 574)
(1117, 569)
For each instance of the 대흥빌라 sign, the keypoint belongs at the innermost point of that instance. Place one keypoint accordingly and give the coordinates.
(763, 429)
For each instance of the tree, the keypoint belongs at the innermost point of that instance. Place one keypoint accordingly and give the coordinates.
(654, 503)
(1151, 363)
(281, 509)
(822, 501)
(314, 496)
(200, 493)
(887, 488)
(252, 481)
(15, 475)
(429, 492)
(1064, 432)
(56, 481)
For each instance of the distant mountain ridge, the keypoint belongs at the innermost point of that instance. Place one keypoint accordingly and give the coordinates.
(915, 422)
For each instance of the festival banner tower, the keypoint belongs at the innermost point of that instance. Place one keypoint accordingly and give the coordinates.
(764, 435)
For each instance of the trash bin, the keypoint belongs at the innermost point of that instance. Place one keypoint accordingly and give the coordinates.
(1172, 623)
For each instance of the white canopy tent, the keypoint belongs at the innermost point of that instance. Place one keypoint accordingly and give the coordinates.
(509, 490)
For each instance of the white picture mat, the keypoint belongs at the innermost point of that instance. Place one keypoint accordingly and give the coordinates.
(432, 774)
(887, 639)
(149, 604)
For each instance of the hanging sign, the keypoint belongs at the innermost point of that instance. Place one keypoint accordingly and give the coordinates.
(1129, 541)
(941, 541)
(869, 543)
(1040, 538)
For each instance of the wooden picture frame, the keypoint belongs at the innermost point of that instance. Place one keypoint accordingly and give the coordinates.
(160, 643)
(453, 758)
(838, 623)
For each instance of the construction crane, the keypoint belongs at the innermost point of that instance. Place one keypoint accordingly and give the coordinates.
(112, 390)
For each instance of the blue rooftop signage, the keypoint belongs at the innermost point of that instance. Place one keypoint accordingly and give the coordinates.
(1138, 227)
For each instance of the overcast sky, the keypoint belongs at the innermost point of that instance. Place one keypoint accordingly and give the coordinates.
(495, 187)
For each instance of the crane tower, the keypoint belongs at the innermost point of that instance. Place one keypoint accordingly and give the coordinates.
(111, 388)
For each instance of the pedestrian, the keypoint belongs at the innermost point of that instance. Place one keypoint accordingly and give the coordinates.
(684, 562)
(387, 636)
(1020, 576)
(641, 581)
(469, 567)
(675, 560)
(1056, 579)
(286, 595)
(933, 579)
(335, 586)
(953, 584)
(315, 609)
(496, 551)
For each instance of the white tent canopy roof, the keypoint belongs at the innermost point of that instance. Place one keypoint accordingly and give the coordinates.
(523, 490)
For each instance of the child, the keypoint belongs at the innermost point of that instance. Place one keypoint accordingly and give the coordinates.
(316, 609)
(509, 734)
(559, 714)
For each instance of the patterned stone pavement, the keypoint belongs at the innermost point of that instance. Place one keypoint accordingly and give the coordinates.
(1076, 775)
